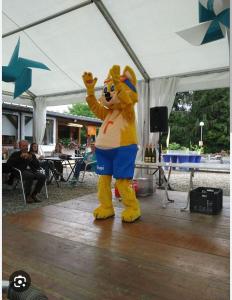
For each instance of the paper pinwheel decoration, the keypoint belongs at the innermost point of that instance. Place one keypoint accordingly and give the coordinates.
(214, 16)
(18, 71)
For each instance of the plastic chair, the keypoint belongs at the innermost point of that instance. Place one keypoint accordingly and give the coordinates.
(21, 182)
(92, 169)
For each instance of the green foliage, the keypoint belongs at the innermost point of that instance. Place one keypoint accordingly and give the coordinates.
(174, 146)
(83, 135)
(65, 142)
(81, 109)
(189, 109)
(197, 148)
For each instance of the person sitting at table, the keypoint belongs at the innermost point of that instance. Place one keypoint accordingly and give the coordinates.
(58, 164)
(14, 149)
(28, 164)
(47, 165)
(6, 169)
(88, 157)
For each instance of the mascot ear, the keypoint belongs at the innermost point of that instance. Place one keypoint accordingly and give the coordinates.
(108, 77)
(129, 73)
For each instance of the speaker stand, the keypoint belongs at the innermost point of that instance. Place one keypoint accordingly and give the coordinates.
(160, 134)
(159, 168)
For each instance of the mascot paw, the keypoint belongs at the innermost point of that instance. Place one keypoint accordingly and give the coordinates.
(130, 215)
(103, 213)
(89, 82)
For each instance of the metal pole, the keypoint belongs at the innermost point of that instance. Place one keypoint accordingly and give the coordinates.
(160, 159)
(56, 15)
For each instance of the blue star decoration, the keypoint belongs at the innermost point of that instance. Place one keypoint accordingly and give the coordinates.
(19, 71)
(214, 19)
(222, 18)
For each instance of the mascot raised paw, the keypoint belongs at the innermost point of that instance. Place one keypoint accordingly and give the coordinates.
(116, 143)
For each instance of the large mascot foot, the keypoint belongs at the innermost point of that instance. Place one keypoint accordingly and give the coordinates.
(103, 213)
(130, 215)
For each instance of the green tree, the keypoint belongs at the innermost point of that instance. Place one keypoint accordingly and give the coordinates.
(81, 109)
(209, 106)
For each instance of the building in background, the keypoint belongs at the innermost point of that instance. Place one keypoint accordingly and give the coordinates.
(17, 124)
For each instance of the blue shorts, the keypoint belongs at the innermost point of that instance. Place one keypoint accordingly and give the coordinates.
(119, 162)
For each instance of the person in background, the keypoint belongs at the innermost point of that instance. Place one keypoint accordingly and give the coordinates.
(58, 164)
(15, 148)
(28, 164)
(88, 157)
(47, 165)
(77, 150)
(6, 169)
(5, 153)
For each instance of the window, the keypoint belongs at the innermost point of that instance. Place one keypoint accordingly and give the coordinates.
(49, 133)
(28, 129)
(10, 128)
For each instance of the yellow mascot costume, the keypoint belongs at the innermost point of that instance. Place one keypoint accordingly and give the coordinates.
(116, 144)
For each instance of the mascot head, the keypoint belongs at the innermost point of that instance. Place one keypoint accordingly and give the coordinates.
(111, 93)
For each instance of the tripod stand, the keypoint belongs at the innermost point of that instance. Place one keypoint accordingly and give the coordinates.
(161, 172)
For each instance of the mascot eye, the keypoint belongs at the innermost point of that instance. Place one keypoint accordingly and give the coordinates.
(105, 89)
(112, 88)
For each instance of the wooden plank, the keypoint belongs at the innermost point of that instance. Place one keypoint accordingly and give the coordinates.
(180, 258)
(193, 223)
(120, 275)
(167, 255)
(152, 205)
(83, 222)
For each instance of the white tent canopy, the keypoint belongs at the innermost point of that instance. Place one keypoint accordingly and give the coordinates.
(74, 36)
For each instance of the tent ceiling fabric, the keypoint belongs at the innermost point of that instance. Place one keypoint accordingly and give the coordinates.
(27, 11)
(151, 26)
(83, 40)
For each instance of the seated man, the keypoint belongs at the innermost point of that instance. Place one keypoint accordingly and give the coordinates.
(88, 157)
(28, 164)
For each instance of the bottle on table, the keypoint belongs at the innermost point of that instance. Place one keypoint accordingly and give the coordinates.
(150, 153)
(153, 159)
(146, 154)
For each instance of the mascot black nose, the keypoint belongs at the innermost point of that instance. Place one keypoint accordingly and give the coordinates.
(108, 96)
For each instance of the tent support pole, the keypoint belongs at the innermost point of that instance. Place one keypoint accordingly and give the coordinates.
(56, 15)
(121, 38)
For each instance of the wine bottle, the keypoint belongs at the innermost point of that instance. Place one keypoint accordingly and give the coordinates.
(150, 153)
(146, 154)
(154, 155)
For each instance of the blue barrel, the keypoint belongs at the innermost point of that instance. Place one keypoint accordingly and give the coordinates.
(192, 158)
(166, 158)
(174, 160)
(183, 159)
(197, 158)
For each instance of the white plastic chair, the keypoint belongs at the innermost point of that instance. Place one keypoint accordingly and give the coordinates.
(21, 182)
(85, 170)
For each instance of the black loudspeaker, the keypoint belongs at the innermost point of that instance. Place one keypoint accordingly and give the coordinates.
(159, 119)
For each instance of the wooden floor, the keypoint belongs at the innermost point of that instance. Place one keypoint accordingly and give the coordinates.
(168, 254)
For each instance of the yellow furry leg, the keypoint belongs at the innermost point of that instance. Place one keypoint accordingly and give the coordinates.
(132, 211)
(105, 210)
